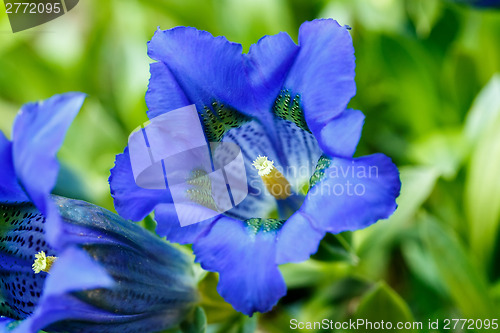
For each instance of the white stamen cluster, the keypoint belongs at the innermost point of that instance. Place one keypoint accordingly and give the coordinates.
(42, 262)
(264, 165)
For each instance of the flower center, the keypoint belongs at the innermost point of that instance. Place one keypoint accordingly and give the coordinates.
(42, 262)
(275, 181)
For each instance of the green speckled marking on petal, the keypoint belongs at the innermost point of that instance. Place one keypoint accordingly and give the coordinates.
(324, 163)
(201, 190)
(291, 110)
(218, 119)
(265, 225)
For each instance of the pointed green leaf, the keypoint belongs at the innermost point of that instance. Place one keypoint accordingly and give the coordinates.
(376, 241)
(417, 257)
(336, 248)
(465, 284)
(484, 111)
(217, 310)
(424, 15)
(383, 303)
(482, 194)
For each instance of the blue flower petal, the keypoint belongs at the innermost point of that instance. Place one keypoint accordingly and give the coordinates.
(320, 70)
(38, 133)
(323, 72)
(79, 293)
(249, 278)
(164, 93)
(131, 201)
(268, 63)
(354, 193)
(169, 226)
(201, 67)
(341, 135)
(297, 239)
(154, 288)
(69, 314)
(299, 152)
(10, 190)
(73, 271)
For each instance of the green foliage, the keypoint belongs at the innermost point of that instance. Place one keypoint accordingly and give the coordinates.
(427, 80)
(336, 247)
(196, 322)
(482, 185)
(465, 283)
(383, 303)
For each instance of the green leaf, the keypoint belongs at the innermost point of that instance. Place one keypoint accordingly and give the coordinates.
(312, 272)
(248, 20)
(196, 322)
(443, 150)
(424, 14)
(237, 324)
(482, 192)
(465, 284)
(333, 300)
(484, 111)
(383, 303)
(216, 308)
(336, 247)
(376, 241)
(416, 257)
(412, 73)
(248, 325)
(495, 291)
(374, 15)
(149, 224)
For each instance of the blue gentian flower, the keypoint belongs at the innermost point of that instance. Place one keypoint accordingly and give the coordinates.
(284, 105)
(67, 265)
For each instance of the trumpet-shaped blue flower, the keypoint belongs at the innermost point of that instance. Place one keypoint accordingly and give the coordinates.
(94, 271)
(285, 106)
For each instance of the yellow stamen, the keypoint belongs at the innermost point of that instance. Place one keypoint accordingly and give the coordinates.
(42, 262)
(275, 181)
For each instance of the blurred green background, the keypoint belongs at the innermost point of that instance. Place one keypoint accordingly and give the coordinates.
(425, 80)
